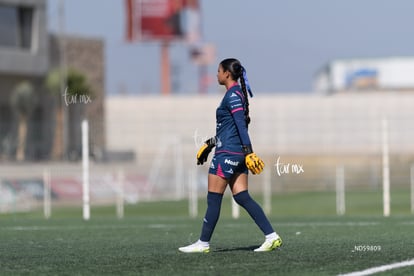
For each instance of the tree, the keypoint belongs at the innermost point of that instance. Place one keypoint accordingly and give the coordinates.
(23, 101)
(76, 86)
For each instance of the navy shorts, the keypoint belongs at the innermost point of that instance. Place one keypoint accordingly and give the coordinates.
(226, 165)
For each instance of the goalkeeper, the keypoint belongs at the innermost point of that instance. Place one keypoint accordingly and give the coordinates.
(232, 160)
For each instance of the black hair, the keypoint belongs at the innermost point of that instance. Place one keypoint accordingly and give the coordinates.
(236, 70)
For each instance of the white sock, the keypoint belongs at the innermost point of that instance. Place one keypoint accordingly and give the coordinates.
(203, 243)
(272, 236)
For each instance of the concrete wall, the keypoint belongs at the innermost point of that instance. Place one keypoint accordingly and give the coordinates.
(317, 132)
(281, 124)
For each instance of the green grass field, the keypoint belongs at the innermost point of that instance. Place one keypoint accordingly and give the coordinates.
(145, 242)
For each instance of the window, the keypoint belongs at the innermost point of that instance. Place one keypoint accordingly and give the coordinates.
(8, 26)
(16, 26)
(25, 26)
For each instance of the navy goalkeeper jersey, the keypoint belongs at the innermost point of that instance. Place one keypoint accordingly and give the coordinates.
(231, 126)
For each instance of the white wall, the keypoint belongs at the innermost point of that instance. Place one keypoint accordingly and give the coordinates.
(281, 124)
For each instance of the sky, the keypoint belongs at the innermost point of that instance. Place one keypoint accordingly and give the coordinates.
(282, 44)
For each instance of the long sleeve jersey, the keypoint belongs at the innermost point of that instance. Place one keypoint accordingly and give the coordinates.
(231, 126)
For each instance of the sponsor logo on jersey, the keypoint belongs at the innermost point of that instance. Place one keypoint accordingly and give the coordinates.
(236, 105)
(232, 163)
(218, 142)
(233, 95)
(230, 171)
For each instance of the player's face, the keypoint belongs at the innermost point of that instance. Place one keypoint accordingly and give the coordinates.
(221, 75)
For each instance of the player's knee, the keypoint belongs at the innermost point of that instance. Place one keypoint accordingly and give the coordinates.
(242, 198)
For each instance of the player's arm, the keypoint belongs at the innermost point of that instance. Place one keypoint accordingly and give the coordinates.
(205, 150)
(253, 162)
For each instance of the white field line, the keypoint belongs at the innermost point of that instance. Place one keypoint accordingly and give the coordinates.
(186, 224)
(332, 223)
(382, 268)
(316, 224)
(71, 228)
(175, 225)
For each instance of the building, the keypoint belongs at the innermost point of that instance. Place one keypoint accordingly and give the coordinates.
(385, 74)
(86, 55)
(27, 54)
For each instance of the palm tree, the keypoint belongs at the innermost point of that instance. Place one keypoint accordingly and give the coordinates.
(23, 101)
(76, 86)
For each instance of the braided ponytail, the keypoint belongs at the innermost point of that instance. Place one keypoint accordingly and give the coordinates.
(244, 89)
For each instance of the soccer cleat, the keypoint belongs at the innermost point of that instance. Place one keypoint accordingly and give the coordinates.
(269, 245)
(195, 248)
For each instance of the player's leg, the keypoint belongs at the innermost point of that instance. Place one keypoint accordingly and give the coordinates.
(216, 187)
(239, 188)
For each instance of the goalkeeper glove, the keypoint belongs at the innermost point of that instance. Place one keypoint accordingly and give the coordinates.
(253, 162)
(205, 150)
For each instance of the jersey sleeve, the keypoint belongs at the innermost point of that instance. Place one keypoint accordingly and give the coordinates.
(235, 105)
